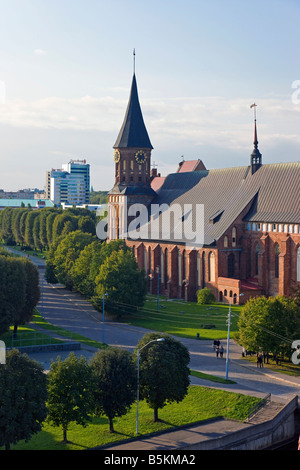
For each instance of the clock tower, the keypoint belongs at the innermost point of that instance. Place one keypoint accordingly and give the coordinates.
(132, 159)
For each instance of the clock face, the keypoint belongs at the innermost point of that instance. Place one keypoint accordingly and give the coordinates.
(140, 156)
(116, 156)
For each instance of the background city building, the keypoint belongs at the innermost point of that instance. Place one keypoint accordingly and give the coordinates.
(70, 184)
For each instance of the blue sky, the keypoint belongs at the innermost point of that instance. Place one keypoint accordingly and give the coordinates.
(66, 70)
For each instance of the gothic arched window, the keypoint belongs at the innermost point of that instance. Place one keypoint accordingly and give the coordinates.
(277, 253)
(257, 250)
(231, 265)
(211, 265)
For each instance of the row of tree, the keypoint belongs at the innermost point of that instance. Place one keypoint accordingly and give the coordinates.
(75, 389)
(19, 291)
(38, 228)
(81, 262)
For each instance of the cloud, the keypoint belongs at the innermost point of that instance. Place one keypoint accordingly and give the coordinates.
(197, 121)
(39, 52)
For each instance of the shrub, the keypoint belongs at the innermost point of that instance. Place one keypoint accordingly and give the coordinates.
(205, 296)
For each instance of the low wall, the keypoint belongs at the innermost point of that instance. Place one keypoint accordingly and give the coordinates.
(71, 346)
(257, 436)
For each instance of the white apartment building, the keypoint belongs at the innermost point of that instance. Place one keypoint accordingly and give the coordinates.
(70, 184)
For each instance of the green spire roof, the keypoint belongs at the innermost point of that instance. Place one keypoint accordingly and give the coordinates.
(133, 132)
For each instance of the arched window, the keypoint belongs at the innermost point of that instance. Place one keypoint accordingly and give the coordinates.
(225, 242)
(162, 266)
(257, 250)
(298, 264)
(166, 267)
(225, 292)
(149, 259)
(277, 253)
(184, 265)
(179, 268)
(199, 270)
(145, 260)
(211, 265)
(231, 263)
(203, 268)
(233, 237)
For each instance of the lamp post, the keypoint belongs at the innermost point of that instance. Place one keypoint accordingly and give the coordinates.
(157, 270)
(159, 340)
(228, 337)
(103, 317)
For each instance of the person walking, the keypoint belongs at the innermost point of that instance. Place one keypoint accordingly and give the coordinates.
(221, 351)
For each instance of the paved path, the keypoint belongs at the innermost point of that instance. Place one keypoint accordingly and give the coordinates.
(70, 311)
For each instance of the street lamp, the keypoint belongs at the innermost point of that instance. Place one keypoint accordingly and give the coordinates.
(157, 270)
(228, 337)
(103, 317)
(159, 340)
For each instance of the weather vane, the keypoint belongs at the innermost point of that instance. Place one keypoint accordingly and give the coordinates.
(134, 61)
(254, 106)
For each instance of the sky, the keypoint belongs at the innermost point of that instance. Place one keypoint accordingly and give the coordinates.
(66, 69)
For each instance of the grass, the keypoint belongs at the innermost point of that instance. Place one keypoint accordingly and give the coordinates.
(284, 366)
(29, 251)
(28, 335)
(185, 319)
(199, 405)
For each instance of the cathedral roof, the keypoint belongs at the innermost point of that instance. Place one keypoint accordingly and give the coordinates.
(270, 195)
(133, 132)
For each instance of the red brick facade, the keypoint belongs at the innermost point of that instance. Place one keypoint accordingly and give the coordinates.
(247, 263)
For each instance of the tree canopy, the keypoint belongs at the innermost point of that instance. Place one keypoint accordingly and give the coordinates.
(124, 283)
(114, 388)
(70, 392)
(269, 324)
(23, 395)
(164, 371)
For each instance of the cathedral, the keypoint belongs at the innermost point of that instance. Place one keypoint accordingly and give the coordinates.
(233, 230)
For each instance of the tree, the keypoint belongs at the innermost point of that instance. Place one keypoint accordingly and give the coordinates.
(32, 293)
(59, 224)
(86, 268)
(70, 392)
(16, 225)
(28, 238)
(66, 253)
(87, 265)
(12, 291)
(164, 371)
(87, 224)
(23, 394)
(6, 226)
(124, 283)
(114, 387)
(268, 324)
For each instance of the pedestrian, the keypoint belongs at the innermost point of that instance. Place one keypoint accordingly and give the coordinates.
(259, 360)
(217, 351)
(221, 351)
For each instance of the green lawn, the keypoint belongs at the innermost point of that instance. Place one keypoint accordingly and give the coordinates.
(200, 404)
(185, 319)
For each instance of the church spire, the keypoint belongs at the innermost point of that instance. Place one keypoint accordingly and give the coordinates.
(256, 157)
(133, 133)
